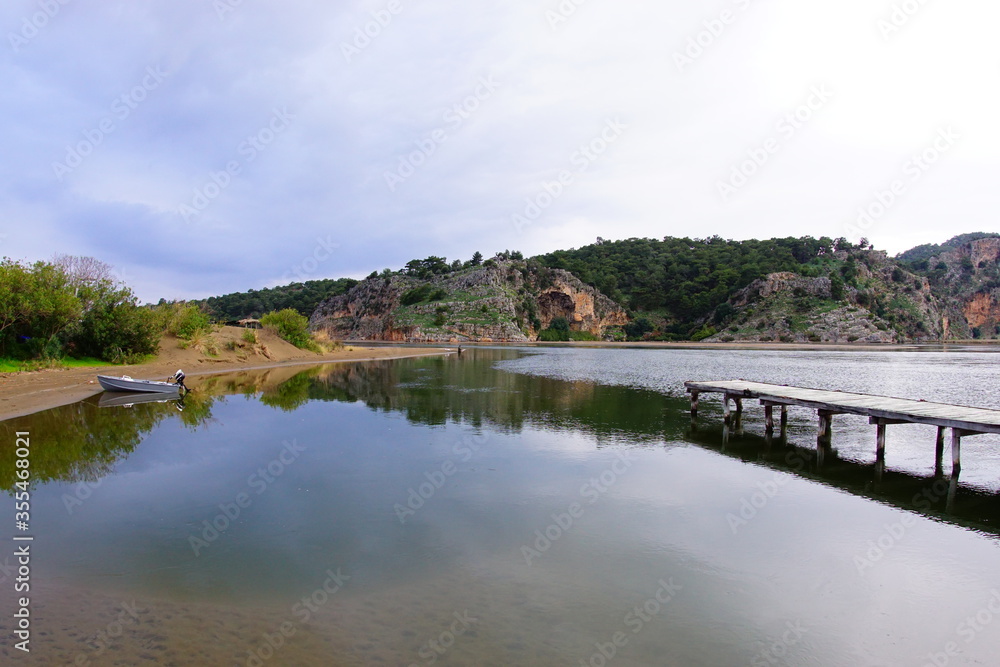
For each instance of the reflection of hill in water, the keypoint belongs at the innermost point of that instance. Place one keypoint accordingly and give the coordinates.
(83, 442)
(467, 389)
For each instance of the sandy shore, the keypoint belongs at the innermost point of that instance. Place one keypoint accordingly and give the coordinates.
(28, 392)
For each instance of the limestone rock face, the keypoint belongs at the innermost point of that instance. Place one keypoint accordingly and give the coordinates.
(584, 308)
(893, 307)
(967, 282)
(504, 301)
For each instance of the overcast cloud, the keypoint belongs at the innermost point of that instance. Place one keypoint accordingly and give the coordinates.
(210, 146)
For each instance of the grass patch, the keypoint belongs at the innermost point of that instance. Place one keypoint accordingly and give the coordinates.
(9, 366)
(17, 366)
(86, 362)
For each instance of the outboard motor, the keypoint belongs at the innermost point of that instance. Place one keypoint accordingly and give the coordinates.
(179, 378)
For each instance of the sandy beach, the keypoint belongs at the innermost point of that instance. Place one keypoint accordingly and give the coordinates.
(27, 392)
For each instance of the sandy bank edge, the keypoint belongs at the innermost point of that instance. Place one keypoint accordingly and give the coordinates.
(23, 394)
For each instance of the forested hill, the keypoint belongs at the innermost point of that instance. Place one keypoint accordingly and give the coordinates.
(303, 297)
(686, 279)
(789, 289)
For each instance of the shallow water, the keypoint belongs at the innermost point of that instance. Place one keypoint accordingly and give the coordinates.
(511, 507)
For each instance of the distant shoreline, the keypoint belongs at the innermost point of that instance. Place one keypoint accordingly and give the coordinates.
(701, 345)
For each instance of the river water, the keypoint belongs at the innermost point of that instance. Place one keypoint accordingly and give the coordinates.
(549, 506)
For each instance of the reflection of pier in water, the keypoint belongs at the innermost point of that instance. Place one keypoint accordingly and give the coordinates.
(939, 496)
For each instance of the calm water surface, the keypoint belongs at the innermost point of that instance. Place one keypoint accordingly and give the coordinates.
(511, 507)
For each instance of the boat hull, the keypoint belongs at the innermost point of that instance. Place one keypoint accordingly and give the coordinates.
(129, 384)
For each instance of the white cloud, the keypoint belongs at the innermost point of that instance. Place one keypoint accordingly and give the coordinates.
(557, 87)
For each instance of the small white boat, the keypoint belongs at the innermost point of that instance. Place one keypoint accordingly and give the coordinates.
(126, 383)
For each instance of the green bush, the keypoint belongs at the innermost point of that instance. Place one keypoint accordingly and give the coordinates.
(704, 333)
(553, 335)
(440, 316)
(559, 324)
(184, 320)
(290, 325)
(636, 329)
(558, 330)
(38, 304)
(836, 287)
(249, 336)
(416, 295)
(116, 329)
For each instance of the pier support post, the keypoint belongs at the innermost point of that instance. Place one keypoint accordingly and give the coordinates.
(956, 451)
(739, 405)
(880, 450)
(726, 415)
(769, 419)
(939, 453)
(784, 421)
(694, 406)
(826, 424)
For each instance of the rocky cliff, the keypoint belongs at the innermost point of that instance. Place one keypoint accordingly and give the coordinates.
(878, 302)
(503, 300)
(966, 279)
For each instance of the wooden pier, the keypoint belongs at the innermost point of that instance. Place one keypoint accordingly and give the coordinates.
(881, 411)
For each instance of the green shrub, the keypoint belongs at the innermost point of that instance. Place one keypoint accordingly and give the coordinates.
(636, 329)
(440, 316)
(116, 329)
(290, 325)
(558, 330)
(559, 324)
(704, 333)
(416, 295)
(553, 335)
(183, 320)
(249, 336)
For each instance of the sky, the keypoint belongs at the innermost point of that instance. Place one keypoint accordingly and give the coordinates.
(210, 146)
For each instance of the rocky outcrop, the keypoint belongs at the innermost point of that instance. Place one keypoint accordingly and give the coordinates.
(881, 304)
(504, 300)
(966, 279)
(584, 308)
(982, 310)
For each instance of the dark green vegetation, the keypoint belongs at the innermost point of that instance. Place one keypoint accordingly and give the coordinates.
(677, 282)
(302, 297)
(290, 325)
(558, 331)
(71, 306)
